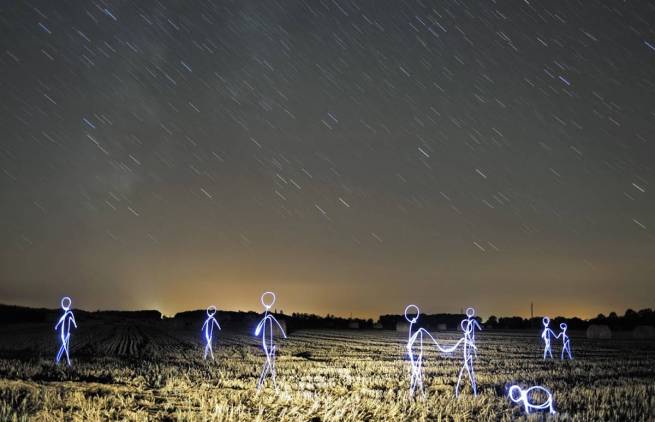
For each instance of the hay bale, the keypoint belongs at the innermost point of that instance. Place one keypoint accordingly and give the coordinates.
(442, 327)
(598, 331)
(402, 326)
(643, 332)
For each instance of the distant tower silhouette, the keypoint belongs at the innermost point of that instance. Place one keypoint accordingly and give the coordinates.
(531, 309)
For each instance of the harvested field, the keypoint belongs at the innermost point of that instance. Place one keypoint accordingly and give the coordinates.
(130, 369)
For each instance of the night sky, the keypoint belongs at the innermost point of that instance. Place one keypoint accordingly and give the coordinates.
(353, 157)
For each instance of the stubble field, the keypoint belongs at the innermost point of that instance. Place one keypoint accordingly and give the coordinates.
(134, 370)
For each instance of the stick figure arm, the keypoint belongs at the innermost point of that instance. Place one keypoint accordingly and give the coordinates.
(260, 325)
(217, 324)
(475, 321)
(60, 321)
(448, 349)
(204, 324)
(412, 339)
(278, 324)
(436, 343)
(73, 320)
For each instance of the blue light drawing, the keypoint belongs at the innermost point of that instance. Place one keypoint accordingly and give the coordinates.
(208, 328)
(566, 343)
(546, 335)
(468, 351)
(416, 359)
(65, 324)
(470, 313)
(265, 327)
(518, 395)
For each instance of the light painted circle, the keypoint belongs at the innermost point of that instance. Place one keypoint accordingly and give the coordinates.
(527, 397)
(417, 312)
(66, 303)
(546, 321)
(470, 312)
(268, 306)
(513, 390)
(211, 310)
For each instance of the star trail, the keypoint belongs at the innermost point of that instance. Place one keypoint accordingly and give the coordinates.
(346, 155)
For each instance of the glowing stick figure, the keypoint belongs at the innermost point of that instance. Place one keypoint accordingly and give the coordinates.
(267, 341)
(468, 350)
(566, 343)
(470, 313)
(518, 395)
(65, 324)
(208, 328)
(546, 334)
(416, 360)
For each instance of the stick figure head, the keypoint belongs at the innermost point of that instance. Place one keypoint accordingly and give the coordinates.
(411, 309)
(66, 303)
(470, 312)
(515, 393)
(546, 321)
(268, 297)
(211, 310)
(563, 326)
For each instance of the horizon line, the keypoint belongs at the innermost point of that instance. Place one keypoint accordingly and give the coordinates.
(165, 315)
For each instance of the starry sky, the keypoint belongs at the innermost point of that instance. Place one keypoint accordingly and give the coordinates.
(352, 156)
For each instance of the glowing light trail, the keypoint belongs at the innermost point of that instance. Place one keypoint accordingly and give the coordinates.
(546, 335)
(65, 323)
(416, 357)
(208, 328)
(468, 351)
(265, 327)
(566, 343)
(518, 395)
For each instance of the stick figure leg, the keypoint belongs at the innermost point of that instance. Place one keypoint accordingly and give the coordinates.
(474, 383)
(273, 370)
(68, 360)
(459, 380)
(420, 374)
(265, 370)
(59, 353)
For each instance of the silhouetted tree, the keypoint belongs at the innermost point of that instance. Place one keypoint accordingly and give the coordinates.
(492, 321)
